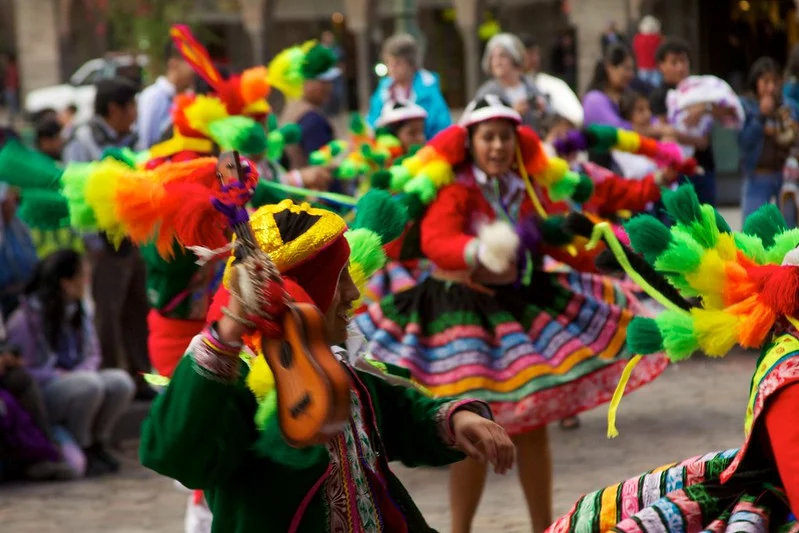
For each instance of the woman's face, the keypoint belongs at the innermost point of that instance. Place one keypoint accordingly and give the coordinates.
(411, 134)
(620, 76)
(502, 65)
(768, 85)
(493, 144)
(74, 288)
(399, 70)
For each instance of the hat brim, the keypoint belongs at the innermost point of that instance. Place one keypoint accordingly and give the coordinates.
(329, 75)
(490, 113)
(400, 115)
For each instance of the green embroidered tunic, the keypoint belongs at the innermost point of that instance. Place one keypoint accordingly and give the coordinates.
(200, 431)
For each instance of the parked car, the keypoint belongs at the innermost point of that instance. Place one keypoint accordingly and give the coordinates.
(81, 87)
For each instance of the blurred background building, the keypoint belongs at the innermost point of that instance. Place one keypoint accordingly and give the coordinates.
(53, 38)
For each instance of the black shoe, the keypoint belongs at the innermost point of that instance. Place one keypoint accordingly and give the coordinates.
(106, 457)
(99, 461)
(94, 465)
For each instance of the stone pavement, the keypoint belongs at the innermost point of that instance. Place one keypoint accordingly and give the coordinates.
(695, 407)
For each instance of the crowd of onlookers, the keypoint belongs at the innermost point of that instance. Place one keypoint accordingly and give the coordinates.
(75, 306)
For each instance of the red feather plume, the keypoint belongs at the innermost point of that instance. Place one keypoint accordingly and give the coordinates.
(450, 144)
(535, 160)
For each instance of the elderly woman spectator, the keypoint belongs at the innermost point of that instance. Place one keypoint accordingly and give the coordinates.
(59, 347)
(504, 60)
(407, 81)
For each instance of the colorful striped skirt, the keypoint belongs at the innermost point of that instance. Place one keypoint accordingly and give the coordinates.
(396, 277)
(536, 354)
(686, 497)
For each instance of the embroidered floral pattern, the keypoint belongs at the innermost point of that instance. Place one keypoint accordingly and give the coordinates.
(351, 505)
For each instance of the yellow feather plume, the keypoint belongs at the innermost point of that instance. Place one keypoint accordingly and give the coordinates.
(439, 172)
(709, 280)
(203, 111)
(716, 331)
(553, 172)
(260, 380)
(628, 141)
(285, 70)
(360, 280)
(100, 194)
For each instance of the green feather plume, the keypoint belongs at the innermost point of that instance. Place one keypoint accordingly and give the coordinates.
(565, 187)
(679, 338)
(74, 179)
(400, 176)
(721, 223)
(751, 246)
(767, 222)
(643, 336)
(366, 250)
(783, 243)
(682, 256)
(583, 190)
(379, 212)
(239, 133)
(682, 204)
(423, 187)
(705, 231)
(381, 179)
(416, 207)
(604, 137)
(648, 236)
(43, 209)
(553, 231)
(291, 133)
(24, 168)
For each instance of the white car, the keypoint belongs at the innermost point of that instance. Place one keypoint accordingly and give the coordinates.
(81, 88)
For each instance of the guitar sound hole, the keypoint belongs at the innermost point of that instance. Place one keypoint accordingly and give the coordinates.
(299, 408)
(286, 357)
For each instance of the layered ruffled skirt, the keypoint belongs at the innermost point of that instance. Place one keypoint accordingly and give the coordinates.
(686, 497)
(536, 354)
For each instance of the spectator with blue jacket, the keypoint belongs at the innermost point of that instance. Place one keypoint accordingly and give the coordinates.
(769, 131)
(407, 82)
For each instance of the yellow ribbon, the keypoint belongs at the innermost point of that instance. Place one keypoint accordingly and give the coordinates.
(534, 197)
(618, 394)
(603, 230)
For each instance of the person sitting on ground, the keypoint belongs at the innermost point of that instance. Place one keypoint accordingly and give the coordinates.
(27, 446)
(59, 347)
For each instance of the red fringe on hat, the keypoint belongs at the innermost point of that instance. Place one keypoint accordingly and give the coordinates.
(535, 160)
(450, 144)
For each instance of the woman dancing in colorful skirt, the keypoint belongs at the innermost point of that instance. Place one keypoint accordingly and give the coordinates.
(489, 323)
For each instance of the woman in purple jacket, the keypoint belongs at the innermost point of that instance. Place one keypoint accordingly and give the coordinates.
(59, 347)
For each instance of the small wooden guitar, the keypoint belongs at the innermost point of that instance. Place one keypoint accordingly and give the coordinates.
(313, 387)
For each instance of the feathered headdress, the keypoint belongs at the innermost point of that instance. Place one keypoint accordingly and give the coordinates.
(230, 116)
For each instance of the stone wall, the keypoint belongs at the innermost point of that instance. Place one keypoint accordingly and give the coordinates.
(37, 43)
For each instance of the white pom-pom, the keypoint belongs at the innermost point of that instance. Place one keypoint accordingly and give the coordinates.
(791, 258)
(499, 245)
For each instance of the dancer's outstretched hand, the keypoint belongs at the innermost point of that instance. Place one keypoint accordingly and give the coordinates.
(483, 440)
